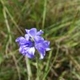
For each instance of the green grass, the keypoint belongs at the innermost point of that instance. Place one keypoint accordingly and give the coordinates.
(60, 21)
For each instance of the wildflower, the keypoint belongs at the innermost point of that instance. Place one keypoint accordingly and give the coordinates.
(33, 41)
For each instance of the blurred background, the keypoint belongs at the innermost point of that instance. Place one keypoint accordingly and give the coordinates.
(60, 21)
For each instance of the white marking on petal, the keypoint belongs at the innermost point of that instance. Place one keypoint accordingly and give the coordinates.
(41, 56)
(27, 37)
(32, 50)
(47, 49)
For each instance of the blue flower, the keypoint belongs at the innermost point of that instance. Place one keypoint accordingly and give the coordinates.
(33, 41)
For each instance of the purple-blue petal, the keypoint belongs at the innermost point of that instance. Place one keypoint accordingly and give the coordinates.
(26, 51)
(21, 40)
(30, 52)
(39, 33)
(27, 37)
(42, 46)
(38, 39)
(43, 43)
(41, 52)
(27, 31)
(32, 32)
(46, 45)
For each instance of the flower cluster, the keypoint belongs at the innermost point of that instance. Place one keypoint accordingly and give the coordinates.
(33, 41)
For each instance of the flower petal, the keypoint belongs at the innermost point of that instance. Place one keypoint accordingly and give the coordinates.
(38, 38)
(42, 46)
(22, 50)
(46, 45)
(27, 37)
(41, 52)
(30, 52)
(40, 49)
(39, 33)
(32, 32)
(21, 40)
(26, 51)
(27, 31)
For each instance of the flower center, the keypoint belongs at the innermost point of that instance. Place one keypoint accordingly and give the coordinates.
(31, 42)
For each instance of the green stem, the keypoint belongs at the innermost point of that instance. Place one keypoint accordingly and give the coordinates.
(38, 69)
(44, 13)
(28, 68)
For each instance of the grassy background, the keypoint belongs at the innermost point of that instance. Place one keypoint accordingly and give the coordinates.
(60, 21)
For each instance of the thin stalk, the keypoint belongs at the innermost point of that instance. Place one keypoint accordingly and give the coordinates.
(44, 13)
(28, 68)
(38, 70)
(47, 65)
